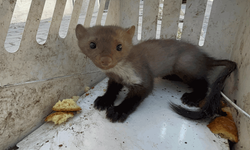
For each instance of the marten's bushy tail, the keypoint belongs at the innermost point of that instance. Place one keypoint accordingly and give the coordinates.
(212, 100)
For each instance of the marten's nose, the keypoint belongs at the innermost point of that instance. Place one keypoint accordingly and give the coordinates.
(106, 61)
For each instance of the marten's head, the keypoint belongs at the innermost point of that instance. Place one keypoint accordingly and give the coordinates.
(105, 45)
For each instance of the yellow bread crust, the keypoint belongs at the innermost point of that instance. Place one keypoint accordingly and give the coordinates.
(66, 105)
(224, 126)
(59, 117)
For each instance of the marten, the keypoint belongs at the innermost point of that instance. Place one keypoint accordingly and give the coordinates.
(135, 66)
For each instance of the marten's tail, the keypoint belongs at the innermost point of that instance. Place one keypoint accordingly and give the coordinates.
(212, 100)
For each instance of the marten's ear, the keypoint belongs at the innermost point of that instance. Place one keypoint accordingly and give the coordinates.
(131, 31)
(80, 31)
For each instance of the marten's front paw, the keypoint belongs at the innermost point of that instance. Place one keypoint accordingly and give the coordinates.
(102, 103)
(115, 114)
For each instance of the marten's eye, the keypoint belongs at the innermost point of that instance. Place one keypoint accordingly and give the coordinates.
(92, 45)
(119, 47)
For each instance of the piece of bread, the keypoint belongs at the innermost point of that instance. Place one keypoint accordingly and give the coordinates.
(228, 111)
(66, 105)
(59, 117)
(224, 126)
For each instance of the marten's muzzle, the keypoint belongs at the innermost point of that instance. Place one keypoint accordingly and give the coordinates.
(106, 61)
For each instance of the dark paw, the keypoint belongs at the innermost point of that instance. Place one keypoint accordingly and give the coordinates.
(102, 103)
(190, 99)
(115, 114)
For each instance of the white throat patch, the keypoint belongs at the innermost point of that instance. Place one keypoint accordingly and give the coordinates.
(125, 71)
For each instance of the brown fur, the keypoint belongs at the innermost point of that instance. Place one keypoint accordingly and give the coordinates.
(136, 66)
(106, 40)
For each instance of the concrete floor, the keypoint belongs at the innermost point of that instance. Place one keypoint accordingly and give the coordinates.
(153, 126)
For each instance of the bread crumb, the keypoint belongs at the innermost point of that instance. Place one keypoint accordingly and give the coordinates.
(86, 89)
(75, 98)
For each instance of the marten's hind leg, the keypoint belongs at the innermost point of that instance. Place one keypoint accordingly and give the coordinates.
(200, 88)
(192, 69)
